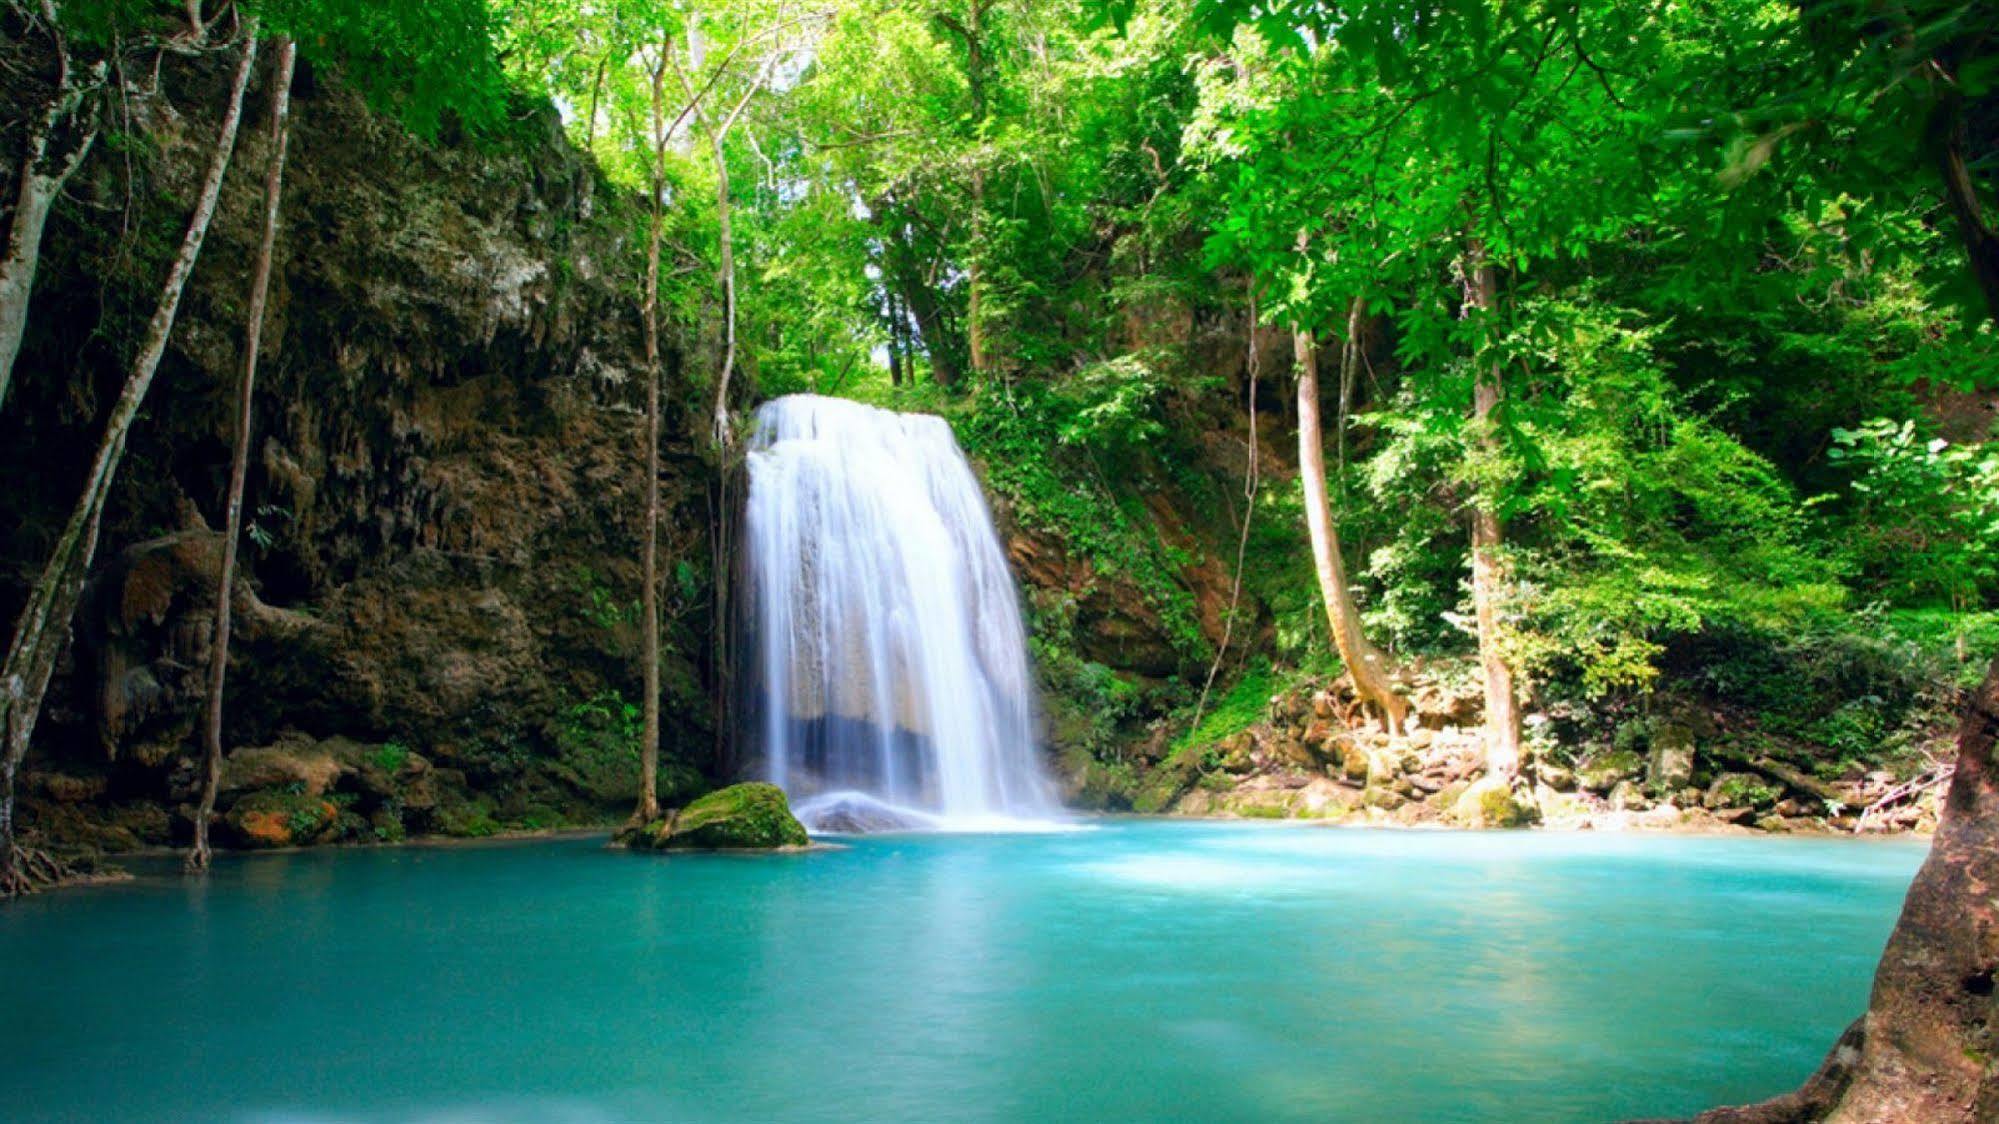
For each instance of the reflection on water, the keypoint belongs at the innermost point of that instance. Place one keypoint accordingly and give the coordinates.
(1143, 970)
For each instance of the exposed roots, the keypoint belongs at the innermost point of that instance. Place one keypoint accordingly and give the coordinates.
(30, 869)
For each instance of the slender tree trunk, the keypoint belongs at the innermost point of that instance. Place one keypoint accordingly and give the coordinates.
(1364, 662)
(239, 459)
(725, 226)
(975, 279)
(45, 621)
(648, 808)
(1488, 566)
(894, 337)
(1349, 371)
(42, 177)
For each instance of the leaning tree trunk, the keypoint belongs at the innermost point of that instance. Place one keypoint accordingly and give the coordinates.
(1488, 566)
(1925, 1049)
(648, 808)
(239, 459)
(1364, 662)
(726, 229)
(43, 174)
(44, 624)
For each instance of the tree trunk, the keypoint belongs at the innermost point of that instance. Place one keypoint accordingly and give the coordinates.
(975, 280)
(1981, 243)
(1364, 663)
(1923, 1050)
(727, 270)
(648, 808)
(239, 459)
(44, 624)
(1488, 566)
(894, 337)
(42, 177)
(1349, 372)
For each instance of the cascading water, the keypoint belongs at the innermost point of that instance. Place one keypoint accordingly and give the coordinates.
(890, 683)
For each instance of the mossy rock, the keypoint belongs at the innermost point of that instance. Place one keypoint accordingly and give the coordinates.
(750, 817)
(1604, 771)
(1492, 803)
(283, 819)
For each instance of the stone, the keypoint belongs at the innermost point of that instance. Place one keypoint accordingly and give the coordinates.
(1629, 796)
(1492, 804)
(1670, 763)
(1740, 790)
(1603, 772)
(751, 816)
(1555, 775)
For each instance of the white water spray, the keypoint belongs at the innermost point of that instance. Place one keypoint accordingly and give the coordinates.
(891, 684)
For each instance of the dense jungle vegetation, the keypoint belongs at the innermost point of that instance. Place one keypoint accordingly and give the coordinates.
(1656, 337)
(1584, 353)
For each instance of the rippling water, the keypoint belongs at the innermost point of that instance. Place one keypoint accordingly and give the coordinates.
(1140, 970)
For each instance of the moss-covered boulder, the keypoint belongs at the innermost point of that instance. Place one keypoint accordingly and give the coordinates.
(1493, 803)
(1604, 771)
(750, 816)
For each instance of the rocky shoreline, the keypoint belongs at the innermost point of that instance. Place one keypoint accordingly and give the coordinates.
(1312, 758)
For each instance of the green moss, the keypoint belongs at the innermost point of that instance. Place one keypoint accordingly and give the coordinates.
(1739, 791)
(1603, 770)
(391, 757)
(753, 816)
(1239, 708)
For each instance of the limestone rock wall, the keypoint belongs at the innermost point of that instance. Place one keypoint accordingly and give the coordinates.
(445, 483)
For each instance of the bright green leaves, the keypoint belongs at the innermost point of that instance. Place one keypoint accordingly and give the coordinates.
(1922, 512)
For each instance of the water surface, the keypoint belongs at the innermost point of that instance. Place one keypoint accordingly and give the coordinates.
(1137, 970)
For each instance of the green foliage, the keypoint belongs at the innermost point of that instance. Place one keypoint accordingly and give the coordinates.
(1243, 705)
(1922, 514)
(1088, 704)
(391, 757)
(601, 607)
(1018, 441)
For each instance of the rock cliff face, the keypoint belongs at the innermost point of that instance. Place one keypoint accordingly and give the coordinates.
(445, 478)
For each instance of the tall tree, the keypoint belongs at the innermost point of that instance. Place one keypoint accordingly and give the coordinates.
(239, 458)
(774, 36)
(648, 808)
(971, 32)
(59, 137)
(1488, 543)
(1363, 661)
(43, 629)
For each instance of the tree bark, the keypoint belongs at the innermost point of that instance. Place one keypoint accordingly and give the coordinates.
(725, 228)
(44, 625)
(1364, 663)
(648, 808)
(1349, 372)
(1488, 538)
(42, 177)
(1981, 243)
(1924, 1049)
(972, 31)
(975, 278)
(239, 458)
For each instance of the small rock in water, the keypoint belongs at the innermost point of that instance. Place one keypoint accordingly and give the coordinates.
(856, 813)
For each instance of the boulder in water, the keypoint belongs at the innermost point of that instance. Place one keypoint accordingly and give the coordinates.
(857, 813)
(747, 817)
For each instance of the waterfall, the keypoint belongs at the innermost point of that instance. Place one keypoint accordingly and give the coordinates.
(890, 684)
